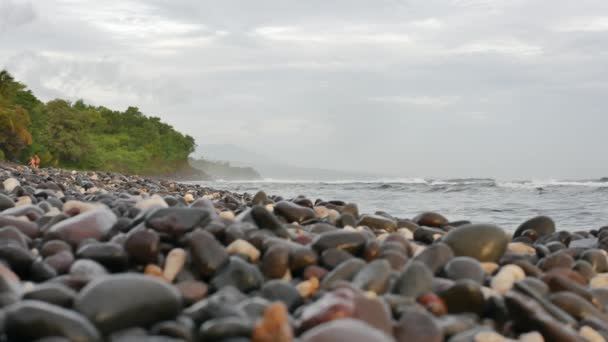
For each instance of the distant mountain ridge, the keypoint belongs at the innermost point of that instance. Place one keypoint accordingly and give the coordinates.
(270, 168)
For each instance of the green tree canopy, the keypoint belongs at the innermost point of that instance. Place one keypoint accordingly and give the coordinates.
(82, 136)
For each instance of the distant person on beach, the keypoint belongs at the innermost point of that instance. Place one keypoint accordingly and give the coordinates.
(35, 162)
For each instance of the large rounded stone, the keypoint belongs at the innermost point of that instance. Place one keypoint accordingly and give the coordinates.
(239, 274)
(6, 202)
(464, 268)
(430, 219)
(542, 225)
(464, 296)
(349, 241)
(30, 320)
(52, 293)
(346, 329)
(208, 254)
(94, 224)
(484, 242)
(293, 212)
(143, 246)
(435, 256)
(374, 276)
(378, 222)
(415, 280)
(177, 220)
(417, 326)
(275, 261)
(121, 301)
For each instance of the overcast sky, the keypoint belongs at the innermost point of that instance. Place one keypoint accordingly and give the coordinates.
(431, 88)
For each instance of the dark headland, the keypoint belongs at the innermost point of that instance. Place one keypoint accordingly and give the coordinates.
(92, 256)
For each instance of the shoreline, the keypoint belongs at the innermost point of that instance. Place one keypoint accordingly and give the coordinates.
(94, 256)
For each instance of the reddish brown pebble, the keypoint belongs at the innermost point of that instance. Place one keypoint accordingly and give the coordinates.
(433, 304)
(274, 326)
(314, 271)
(154, 271)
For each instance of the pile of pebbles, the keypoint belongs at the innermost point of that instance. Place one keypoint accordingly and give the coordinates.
(107, 257)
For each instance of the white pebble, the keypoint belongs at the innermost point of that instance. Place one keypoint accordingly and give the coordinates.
(381, 237)
(599, 281)
(188, 198)
(241, 246)
(52, 212)
(489, 267)
(321, 211)
(78, 206)
(506, 277)
(23, 200)
(533, 336)
(521, 248)
(270, 207)
(10, 184)
(153, 202)
(591, 334)
(489, 336)
(227, 214)
(406, 233)
(333, 215)
(93, 190)
(174, 263)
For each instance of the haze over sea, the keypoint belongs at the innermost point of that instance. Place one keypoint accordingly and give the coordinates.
(573, 204)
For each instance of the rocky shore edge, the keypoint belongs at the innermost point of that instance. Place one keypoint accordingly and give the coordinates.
(96, 256)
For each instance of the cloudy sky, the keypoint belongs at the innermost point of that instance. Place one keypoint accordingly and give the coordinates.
(432, 88)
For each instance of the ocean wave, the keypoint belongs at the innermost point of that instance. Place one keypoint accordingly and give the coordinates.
(537, 184)
(434, 184)
(349, 181)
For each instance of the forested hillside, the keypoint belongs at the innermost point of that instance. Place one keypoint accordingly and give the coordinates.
(80, 136)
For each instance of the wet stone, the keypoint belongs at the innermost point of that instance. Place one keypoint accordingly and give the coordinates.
(464, 268)
(542, 225)
(176, 220)
(52, 293)
(142, 246)
(109, 254)
(207, 253)
(430, 219)
(276, 290)
(345, 271)
(377, 222)
(483, 242)
(464, 296)
(221, 329)
(415, 325)
(92, 224)
(6, 202)
(275, 262)
(373, 277)
(333, 257)
(351, 242)
(127, 300)
(435, 256)
(293, 212)
(346, 330)
(29, 320)
(53, 247)
(239, 274)
(415, 280)
(556, 260)
(597, 259)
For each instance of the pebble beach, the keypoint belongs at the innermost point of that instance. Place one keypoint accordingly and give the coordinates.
(98, 256)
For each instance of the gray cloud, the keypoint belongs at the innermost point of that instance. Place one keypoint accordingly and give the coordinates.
(416, 88)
